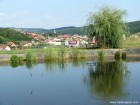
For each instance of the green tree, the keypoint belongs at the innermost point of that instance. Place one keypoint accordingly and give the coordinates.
(108, 26)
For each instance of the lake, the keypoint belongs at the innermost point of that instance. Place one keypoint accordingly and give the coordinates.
(71, 83)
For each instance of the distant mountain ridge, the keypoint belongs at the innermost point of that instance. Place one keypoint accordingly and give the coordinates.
(133, 26)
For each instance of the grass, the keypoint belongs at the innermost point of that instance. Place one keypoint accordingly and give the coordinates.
(132, 42)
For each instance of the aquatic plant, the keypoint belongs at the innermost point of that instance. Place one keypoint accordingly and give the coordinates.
(101, 55)
(83, 53)
(75, 53)
(50, 54)
(61, 53)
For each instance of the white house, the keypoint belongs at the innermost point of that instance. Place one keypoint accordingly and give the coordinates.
(72, 43)
(4, 47)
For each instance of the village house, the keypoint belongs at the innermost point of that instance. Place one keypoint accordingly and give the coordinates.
(5, 47)
(11, 44)
(26, 44)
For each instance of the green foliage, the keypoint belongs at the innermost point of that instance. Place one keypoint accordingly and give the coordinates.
(107, 26)
(118, 55)
(124, 55)
(101, 56)
(131, 42)
(51, 54)
(83, 54)
(14, 58)
(7, 34)
(28, 56)
(75, 53)
(106, 79)
(61, 53)
(134, 27)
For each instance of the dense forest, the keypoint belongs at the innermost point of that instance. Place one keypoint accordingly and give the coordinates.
(7, 34)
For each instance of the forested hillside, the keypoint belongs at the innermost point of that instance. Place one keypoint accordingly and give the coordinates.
(7, 34)
(134, 27)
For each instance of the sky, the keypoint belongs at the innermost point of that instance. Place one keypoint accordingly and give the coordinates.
(50, 14)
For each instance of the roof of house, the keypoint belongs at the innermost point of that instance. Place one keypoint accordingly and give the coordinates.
(10, 43)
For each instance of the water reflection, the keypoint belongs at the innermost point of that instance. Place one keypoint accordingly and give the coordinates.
(16, 64)
(107, 79)
(77, 62)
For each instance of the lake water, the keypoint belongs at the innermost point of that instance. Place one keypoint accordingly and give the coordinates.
(73, 83)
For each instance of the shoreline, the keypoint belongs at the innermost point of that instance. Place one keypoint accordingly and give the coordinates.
(133, 53)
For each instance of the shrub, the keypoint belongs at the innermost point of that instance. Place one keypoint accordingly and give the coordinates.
(123, 55)
(14, 59)
(118, 55)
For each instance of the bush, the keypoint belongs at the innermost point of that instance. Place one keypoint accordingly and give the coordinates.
(14, 59)
(123, 55)
(118, 55)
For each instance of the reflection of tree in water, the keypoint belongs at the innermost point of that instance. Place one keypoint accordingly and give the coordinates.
(53, 66)
(30, 64)
(16, 64)
(107, 79)
(78, 62)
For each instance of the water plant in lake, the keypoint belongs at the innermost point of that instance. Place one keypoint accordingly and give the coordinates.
(83, 54)
(61, 53)
(75, 53)
(51, 54)
(101, 56)
(31, 57)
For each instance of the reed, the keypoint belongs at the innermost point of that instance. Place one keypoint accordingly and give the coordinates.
(83, 53)
(75, 53)
(50, 54)
(61, 53)
(101, 56)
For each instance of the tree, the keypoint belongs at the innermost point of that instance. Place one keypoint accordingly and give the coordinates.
(108, 26)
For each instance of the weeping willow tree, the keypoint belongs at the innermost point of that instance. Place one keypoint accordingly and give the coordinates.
(108, 26)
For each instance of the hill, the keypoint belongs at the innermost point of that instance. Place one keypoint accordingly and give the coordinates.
(7, 34)
(63, 30)
(133, 26)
